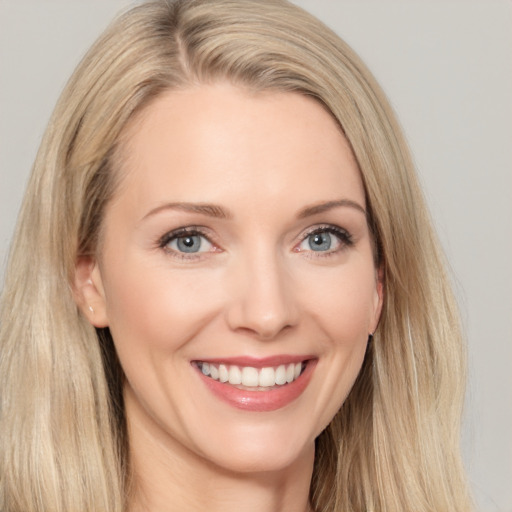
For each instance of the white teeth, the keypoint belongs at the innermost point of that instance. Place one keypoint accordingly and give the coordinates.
(290, 370)
(267, 377)
(223, 373)
(214, 372)
(281, 375)
(235, 375)
(251, 377)
(298, 370)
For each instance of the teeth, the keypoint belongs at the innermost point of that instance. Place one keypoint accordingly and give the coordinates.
(281, 375)
(250, 377)
(235, 375)
(267, 377)
(290, 370)
(223, 373)
(214, 372)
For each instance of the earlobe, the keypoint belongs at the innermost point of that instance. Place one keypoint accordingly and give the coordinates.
(89, 293)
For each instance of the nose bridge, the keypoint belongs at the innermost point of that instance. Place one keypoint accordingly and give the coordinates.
(262, 298)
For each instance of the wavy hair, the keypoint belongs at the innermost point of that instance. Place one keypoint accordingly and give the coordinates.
(394, 444)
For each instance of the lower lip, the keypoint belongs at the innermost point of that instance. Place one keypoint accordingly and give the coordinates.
(261, 401)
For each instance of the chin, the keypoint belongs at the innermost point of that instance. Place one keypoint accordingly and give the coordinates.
(258, 464)
(261, 453)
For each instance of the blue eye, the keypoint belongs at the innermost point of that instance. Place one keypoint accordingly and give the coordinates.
(320, 241)
(189, 243)
(329, 239)
(186, 243)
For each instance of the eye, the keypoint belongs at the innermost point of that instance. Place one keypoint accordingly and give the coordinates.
(186, 242)
(190, 244)
(326, 239)
(320, 241)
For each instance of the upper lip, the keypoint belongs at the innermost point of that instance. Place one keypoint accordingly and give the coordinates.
(258, 362)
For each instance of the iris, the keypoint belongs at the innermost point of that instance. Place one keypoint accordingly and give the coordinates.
(320, 241)
(189, 243)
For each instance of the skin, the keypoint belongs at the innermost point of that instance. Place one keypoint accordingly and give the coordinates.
(255, 289)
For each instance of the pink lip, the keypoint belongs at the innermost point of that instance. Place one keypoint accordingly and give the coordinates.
(260, 362)
(260, 401)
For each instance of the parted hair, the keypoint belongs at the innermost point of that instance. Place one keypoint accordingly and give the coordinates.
(394, 444)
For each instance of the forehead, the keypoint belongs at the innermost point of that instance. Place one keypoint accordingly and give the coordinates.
(199, 142)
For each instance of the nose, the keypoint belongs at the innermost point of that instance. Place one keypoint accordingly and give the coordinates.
(262, 302)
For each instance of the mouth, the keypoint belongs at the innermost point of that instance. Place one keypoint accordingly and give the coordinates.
(251, 378)
(254, 385)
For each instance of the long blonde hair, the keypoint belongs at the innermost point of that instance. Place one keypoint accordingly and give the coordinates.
(394, 444)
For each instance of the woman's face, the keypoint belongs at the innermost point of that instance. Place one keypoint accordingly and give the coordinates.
(237, 248)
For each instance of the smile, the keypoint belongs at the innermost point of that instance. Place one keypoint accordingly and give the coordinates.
(259, 387)
(255, 379)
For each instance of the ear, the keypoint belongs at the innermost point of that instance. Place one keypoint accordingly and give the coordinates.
(89, 293)
(378, 298)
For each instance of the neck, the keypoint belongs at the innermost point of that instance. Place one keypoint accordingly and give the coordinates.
(168, 477)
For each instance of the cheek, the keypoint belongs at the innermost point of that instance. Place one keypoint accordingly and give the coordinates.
(154, 314)
(341, 312)
(344, 302)
(156, 307)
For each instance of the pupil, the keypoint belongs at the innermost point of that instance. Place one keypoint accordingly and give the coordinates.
(189, 243)
(320, 242)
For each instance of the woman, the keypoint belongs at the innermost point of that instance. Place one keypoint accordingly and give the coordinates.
(237, 298)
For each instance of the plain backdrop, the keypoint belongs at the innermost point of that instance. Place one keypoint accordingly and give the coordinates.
(447, 69)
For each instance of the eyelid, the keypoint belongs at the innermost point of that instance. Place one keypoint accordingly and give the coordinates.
(164, 241)
(345, 238)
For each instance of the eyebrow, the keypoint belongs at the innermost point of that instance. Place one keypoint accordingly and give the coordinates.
(211, 210)
(315, 209)
(218, 212)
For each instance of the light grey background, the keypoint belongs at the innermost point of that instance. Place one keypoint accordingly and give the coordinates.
(447, 68)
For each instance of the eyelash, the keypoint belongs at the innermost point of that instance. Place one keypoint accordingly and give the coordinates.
(344, 237)
(345, 240)
(169, 237)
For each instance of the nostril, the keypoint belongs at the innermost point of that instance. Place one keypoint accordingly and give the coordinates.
(263, 332)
